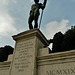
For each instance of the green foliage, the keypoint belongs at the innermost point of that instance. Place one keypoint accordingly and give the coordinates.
(4, 52)
(63, 42)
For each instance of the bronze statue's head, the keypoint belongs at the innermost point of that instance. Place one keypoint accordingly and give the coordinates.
(36, 1)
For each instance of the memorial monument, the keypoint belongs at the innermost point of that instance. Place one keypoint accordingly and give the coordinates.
(26, 50)
(31, 53)
(27, 44)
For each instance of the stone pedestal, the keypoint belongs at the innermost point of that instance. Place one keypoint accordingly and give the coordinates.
(25, 53)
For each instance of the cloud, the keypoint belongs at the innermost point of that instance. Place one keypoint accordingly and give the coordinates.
(31, 0)
(54, 27)
(73, 0)
(6, 25)
(14, 1)
(6, 21)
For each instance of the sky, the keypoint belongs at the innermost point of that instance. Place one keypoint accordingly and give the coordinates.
(59, 15)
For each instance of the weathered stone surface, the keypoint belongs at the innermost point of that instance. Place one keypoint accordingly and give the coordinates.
(10, 57)
(58, 69)
(62, 63)
(43, 51)
(23, 58)
(5, 68)
(25, 53)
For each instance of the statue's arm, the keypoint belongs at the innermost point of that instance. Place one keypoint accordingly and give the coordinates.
(44, 4)
(45, 1)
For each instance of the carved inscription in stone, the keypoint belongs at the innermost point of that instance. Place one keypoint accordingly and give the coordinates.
(70, 71)
(67, 68)
(23, 57)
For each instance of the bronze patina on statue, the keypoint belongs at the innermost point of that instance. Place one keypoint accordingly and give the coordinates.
(34, 13)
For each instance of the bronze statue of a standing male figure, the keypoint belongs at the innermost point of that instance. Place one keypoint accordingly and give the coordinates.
(34, 13)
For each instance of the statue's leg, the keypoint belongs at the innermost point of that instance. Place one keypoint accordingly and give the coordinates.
(36, 24)
(30, 22)
(36, 21)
